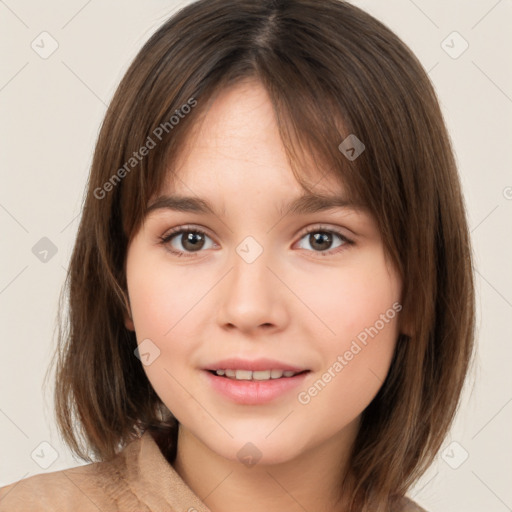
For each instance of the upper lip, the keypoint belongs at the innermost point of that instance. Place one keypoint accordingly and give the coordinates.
(253, 365)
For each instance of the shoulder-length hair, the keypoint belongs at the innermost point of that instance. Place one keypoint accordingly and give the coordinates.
(331, 70)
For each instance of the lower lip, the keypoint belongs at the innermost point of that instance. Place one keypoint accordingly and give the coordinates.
(254, 392)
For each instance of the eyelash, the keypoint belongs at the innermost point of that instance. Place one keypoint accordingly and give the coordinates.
(164, 240)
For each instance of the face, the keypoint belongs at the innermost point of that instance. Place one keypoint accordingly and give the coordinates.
(310, 291)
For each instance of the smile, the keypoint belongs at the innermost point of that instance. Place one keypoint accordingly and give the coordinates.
(255, 375)
(247, 387)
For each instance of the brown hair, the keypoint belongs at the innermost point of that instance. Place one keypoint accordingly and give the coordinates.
(330, 70)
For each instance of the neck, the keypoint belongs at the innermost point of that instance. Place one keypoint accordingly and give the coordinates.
(311, 481)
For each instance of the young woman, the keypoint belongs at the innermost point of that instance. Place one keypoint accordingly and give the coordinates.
(271, 296)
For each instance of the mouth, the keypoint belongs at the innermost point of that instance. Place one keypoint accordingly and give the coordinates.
(257, 375)
(259, 383)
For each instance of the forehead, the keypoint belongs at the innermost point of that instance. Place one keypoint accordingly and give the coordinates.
(234, 149)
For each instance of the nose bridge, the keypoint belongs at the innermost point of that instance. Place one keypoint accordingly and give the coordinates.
(249, 295)
(250, 264)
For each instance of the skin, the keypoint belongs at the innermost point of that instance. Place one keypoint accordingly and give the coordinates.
(296, 303)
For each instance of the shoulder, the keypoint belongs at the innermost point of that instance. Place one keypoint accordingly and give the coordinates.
(59, 490)
(407, 505)
(91, 487)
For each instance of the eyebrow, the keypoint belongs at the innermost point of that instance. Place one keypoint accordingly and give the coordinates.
(302, 205)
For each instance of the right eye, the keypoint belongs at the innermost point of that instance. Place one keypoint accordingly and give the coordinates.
(192, 242)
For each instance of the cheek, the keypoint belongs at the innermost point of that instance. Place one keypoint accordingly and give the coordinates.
(354, 298)
(354, 370)
(163, 301)
(160, 318)
(161, 297)
(361, 308)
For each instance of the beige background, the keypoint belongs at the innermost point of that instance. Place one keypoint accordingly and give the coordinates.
(50, 113)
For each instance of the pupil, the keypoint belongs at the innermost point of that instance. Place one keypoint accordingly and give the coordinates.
(318, 238)
(194, 239)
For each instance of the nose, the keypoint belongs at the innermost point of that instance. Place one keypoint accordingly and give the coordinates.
(252, 297)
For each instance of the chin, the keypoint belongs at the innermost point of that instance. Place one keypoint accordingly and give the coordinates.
(252, 449)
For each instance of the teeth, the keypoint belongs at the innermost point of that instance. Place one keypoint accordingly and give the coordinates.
(256, 375)
(243, 375)
(261, 375)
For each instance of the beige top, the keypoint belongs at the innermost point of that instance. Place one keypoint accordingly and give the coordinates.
(138, 479)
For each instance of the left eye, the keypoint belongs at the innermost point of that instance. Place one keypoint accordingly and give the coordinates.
(321, 237)
(194, 241)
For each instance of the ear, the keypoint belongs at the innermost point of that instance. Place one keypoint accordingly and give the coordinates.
(406, 325)
(128, 320)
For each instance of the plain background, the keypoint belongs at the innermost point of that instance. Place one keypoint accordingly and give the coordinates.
(50, 113)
